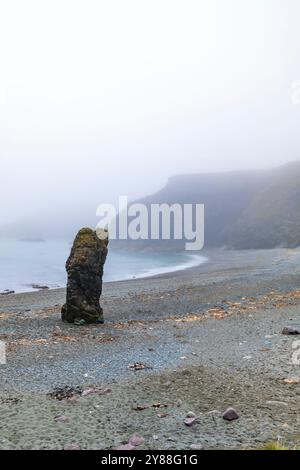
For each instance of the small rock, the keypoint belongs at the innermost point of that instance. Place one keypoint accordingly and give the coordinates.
(141, 407)
(286, 426)
(7, 292)
(191, 415)
(126, 447)
(57, 331)
(289, 330)
(292, 381)
(138, 366)
(89, 391)
(96, 391)
(39, 287)
(230, 415)
(61, 419)
(196, 447)
(190, 422)
(74, 446)
(136, 441)
(162, 415)
(159, 405)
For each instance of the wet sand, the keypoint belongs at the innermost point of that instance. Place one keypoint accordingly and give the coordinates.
(206, 338)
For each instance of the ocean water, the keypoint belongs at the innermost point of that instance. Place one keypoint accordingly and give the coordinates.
(23, 263)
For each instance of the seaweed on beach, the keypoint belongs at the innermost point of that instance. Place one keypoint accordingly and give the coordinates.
(64, 393)
(67, 393)
(10, 400)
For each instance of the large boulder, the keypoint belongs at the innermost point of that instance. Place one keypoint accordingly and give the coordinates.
(85, 271)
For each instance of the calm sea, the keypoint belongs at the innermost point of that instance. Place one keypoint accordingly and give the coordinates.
(23, 263)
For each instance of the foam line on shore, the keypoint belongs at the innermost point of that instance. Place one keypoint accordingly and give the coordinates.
(192, 262)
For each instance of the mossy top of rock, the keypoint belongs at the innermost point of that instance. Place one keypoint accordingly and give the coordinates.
(85, 245)
(85, 237)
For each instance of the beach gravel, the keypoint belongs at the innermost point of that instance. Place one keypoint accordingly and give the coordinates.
(208, 338)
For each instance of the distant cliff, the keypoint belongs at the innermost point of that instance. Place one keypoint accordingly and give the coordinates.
(272, 218)
(243, 210)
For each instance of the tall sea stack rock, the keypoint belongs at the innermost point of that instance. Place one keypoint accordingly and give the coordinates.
(85, 271)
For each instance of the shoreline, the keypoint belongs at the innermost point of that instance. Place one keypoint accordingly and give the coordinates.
(190, 261)
(279, 266)
(208, 337)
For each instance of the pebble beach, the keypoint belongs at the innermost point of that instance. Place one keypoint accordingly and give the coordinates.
(175, 352)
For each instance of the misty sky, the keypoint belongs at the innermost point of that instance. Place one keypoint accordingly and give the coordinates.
(106, 97)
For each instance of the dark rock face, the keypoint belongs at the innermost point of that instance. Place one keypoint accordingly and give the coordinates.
(289, 330)
(230, 415)
(7, 292)
(85, 270)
